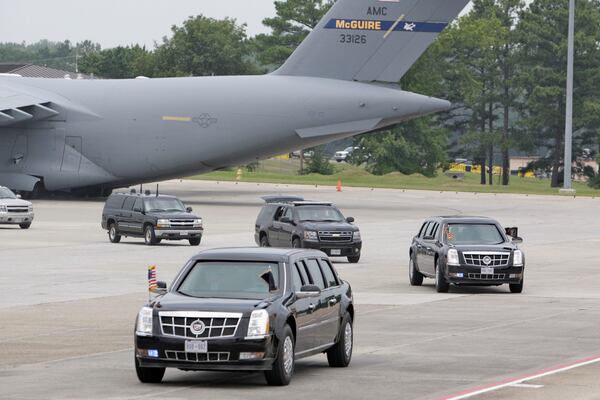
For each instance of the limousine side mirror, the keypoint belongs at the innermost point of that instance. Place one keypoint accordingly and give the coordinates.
(161, 287)
(350, 220)
(189, 209)
(517, 240)
(308, 291)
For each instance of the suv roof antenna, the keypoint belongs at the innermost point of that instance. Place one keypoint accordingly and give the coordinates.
(157, 190)
(141, 189)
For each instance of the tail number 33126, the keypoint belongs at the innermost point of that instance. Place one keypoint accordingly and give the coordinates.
(353, 39)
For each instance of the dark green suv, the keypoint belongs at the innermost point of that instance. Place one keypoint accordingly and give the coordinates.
(153, 217)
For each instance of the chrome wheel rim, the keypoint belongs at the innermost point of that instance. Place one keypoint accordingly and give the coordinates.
(410, 269)
(148, 235)
(348, 340)
(288, 355)
(112, 233)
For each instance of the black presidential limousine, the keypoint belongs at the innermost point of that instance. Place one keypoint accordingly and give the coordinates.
(247, 309)
(474, 251)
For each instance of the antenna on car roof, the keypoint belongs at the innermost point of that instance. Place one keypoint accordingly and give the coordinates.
(157, 190)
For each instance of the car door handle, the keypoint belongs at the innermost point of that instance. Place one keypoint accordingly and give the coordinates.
(332, 302)
(311, 307)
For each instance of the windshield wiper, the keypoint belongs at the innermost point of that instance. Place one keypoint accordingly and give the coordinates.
(156, 210)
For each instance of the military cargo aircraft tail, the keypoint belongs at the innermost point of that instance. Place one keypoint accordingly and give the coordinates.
(373, 40)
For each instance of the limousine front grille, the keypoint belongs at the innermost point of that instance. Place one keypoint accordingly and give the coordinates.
(197, 357)
(216, 325)
(331, 236)
(486, 259)
(488, 277)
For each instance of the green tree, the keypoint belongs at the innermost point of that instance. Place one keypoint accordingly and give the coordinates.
(118, 63)
(318, 163)
(205, 46)
(543, 55)
(293, 21)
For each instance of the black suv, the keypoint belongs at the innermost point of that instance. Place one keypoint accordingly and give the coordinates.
(289, 221)
(474, 251)
(153, 217)
(247, 309)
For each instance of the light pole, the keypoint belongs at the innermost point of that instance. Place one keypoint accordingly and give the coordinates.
(568, 187)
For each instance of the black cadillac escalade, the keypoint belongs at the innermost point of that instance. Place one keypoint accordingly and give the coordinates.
(289, 221)
(247, 309)
(474, 251)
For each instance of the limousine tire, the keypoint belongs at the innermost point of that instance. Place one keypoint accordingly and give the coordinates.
(149, 375)
(340, 355)
(282, 370)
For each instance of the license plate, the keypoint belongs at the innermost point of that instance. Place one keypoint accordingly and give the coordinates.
(196, 346)
(487, 271)
(336, 252)
(183, 233)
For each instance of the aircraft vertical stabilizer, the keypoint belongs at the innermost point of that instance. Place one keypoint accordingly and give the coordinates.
(373, 40)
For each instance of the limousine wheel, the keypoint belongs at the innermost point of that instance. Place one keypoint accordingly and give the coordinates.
(441, 285)
(415, 277)
(283, 368)
(517, 287)
(340, 355)
(113, 233)
(149, 375)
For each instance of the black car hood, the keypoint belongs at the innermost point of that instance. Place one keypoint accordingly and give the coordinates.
(491, 248)
(178, 302)
(172, 215)
(329, 226)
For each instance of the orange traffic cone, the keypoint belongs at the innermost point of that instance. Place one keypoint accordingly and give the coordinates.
(339, 185)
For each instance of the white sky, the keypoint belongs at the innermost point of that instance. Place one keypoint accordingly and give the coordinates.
(118, 22)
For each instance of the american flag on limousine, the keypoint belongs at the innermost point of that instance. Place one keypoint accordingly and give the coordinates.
(152, 285)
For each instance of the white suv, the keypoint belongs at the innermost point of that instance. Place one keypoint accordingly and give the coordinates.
(13, 210)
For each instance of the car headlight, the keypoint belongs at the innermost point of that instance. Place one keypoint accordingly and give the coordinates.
(258, 326)
(453, 257)
(311, 235)
(518, 258)
(356, 236)
(3, 209)
(163, 223)
(198, 223)
(144, 322)
(30, 208)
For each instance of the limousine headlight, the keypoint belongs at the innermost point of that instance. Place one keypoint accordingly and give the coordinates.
(453, 257)
(518, 258)
(258, 326)
(163, 223)
(144, 322)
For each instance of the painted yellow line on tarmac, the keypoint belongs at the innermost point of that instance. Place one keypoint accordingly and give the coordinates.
(177, 119)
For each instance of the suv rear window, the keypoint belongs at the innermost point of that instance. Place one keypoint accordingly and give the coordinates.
(128, 204)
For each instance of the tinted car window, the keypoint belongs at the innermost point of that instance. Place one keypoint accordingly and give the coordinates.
(229, 279)
(431, 230)
(319, 214)
(422, 230)
(139, 205)
(115, 202)
(314, 271)
(159, 204)
(434, 230)
(425, 229)
(288, 213)
(128, 204)
(297, 282)
(328, 272)
(6, 194)
(460, 234)
(279, 213)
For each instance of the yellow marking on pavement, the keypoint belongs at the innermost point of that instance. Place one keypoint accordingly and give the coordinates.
(178, 119)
